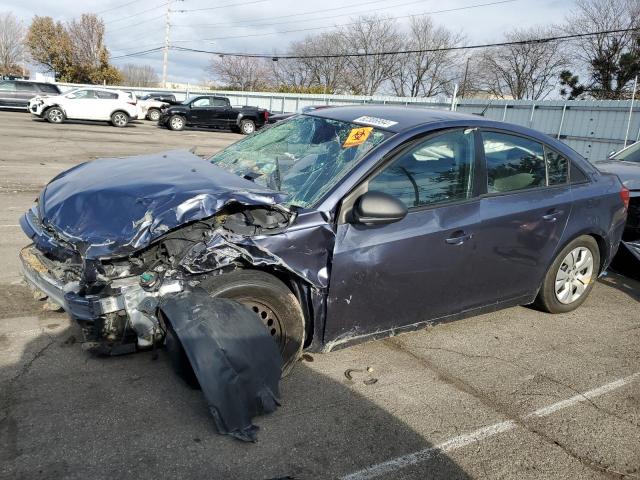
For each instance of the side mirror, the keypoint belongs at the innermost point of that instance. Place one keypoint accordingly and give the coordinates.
(378, 208)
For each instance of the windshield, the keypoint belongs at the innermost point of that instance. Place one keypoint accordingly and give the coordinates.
(303, 157)
(631, 154)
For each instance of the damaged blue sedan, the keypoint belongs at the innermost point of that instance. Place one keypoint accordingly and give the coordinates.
(333, 227)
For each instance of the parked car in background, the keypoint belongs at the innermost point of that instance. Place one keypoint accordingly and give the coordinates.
(114, 106)
(150, 105)
(17, 93)
(215, 112)
(283, 116)
(626, 165)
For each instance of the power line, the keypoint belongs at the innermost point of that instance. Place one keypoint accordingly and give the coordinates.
(133, 26)
(218, 7)
(241, 22)
(117, 7)
(136, 14)
(468, 7)
(139, 54)
(400, 52)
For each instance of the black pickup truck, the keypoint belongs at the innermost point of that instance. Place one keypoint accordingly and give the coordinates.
(216, 112)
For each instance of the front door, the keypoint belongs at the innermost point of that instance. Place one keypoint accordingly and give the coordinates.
(420, 267)
(81, 105)
(202, 112)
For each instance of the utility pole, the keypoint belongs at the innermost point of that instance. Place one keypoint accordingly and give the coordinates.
(165, 56)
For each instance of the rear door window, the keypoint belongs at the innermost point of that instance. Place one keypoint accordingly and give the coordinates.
(218, 102)
(106, 95)
(513, 162)
(46, 88)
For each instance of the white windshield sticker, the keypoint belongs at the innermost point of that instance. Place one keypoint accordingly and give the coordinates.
(375, 121)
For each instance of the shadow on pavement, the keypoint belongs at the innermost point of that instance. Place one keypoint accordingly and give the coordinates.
(65, 414)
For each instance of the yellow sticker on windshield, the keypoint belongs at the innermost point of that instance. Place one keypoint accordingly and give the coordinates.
(357, 136)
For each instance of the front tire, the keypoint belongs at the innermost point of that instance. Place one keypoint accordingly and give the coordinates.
(176, 123)
(272, 301)
(571, 277)
(54, 115)
(247, 127)
(119, 119)
(153, 114)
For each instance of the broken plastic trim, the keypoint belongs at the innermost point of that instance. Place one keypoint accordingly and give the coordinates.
(235, 360)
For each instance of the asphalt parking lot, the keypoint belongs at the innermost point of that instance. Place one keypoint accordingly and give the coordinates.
(511, 395)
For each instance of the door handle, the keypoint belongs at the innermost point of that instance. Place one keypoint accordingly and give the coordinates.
(460, 239)
(553, 216)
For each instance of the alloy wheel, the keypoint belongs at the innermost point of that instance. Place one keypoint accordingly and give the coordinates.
(574, 275)
(177, 123)
(55, 116)
(120, 119)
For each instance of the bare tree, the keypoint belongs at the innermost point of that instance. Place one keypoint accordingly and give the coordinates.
(12, 51)
(242, 73)
(522, 71)
(139, 75)
(87, 37)
(609, 61)
(366, 74)
(430, 71)
(311, 71)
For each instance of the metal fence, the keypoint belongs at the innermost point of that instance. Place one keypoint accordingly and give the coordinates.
(592, 128)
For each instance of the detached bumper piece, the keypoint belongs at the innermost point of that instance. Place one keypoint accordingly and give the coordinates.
(235, 360)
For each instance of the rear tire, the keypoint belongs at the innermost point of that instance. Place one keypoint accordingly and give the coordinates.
(153, 114)
(571, 276)
(119, 119)
(54, 115)
(247, 127)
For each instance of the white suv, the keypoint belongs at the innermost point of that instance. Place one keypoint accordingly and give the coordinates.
(112, 106)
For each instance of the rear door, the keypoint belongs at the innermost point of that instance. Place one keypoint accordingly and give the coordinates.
(106, 103)
(420, 267)
(524, 212)
(224, 115)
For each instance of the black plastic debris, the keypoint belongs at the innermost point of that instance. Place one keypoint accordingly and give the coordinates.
(235, 360)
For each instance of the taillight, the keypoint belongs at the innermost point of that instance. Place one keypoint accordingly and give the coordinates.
(266, 116)
(625, 195)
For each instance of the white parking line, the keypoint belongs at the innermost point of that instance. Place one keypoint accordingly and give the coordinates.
(460, 441)
(8, 226)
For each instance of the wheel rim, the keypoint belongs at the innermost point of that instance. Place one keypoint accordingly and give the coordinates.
(119, 119)
(247, 127)
(574, 275)
(176, 123)
(55, 116)
(269, 318)
(154, 115)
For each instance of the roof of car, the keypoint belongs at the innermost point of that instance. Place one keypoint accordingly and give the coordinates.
(395, 118)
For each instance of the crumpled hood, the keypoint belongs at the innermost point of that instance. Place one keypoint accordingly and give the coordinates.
(113, 206)
(629, 172)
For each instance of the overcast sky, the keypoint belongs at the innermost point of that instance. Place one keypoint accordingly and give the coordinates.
(137, 25)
